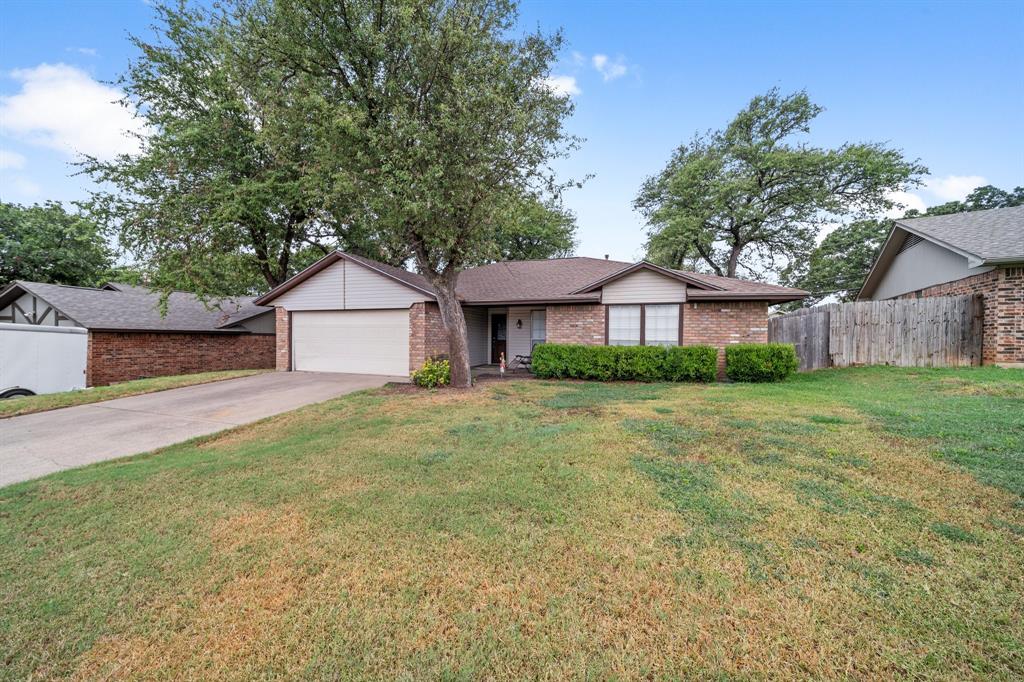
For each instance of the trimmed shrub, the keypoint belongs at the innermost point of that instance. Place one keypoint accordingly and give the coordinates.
(434, 373)
(760, 362)
(624, 363)
(691, 363)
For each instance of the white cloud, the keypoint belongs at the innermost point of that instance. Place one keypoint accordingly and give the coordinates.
(905, 201)
(578, 58)
(9, 159)
(954, 187)
(62, 107)
(609, 70)
(87, 51)
(563, 85)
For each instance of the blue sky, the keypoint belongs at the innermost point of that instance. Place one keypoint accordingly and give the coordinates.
(943, 81)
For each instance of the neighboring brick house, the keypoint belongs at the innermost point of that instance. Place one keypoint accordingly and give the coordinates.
(129, 337)
(346, 313)
(978, 252)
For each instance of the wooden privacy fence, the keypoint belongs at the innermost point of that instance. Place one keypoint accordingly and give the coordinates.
(944, 331)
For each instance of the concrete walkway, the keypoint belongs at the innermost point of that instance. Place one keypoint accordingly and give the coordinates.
(34, 445)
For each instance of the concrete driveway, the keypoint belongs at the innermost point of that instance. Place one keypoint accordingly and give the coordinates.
(34, 445)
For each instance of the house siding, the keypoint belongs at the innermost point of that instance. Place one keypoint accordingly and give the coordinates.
(923, 265)
(349, 286)
(1002, 292)
(644, 286)
(124, 356)
(366, 289)
(519, 338)
(476, 331)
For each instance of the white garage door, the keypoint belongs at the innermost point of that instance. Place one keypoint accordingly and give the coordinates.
(354, 341)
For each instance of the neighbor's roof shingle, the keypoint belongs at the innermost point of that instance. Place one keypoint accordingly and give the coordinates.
(132, 308)
(995, 234)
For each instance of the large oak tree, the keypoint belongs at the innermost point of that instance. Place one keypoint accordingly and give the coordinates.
(432, 124)
(750, 199)
(403, 130)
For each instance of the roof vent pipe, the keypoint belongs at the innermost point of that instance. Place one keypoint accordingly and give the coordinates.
(606, 256)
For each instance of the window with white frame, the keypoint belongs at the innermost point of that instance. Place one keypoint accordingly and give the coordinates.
(661, 325)
(538, 327)
(623, 325)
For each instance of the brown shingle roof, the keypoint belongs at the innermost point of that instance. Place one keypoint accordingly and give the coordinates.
(551, 280)
(533, 280)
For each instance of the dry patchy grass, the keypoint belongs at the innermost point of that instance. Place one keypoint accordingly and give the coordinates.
(535, 530)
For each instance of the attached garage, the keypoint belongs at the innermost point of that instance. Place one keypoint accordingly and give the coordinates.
(353, 341)
(351, 315)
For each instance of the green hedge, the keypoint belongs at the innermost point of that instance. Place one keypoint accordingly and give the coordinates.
(760, 362)
(625, 363)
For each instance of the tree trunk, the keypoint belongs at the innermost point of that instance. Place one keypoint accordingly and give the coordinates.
(734, 260)
(455, 324)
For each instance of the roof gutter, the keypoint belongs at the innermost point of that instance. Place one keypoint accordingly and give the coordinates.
(743, 296)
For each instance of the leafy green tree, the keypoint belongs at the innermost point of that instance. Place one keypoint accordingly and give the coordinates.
(45, 243)
(535, 230)
(753, 196)
(431, 124)
(837, 267)
(980, 199)
(221, 199)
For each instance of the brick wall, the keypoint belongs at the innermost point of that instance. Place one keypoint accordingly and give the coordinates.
(576, 324)
(123, 356)
(283, 347)
(1002, 292)
(720, 323)
(427, 336)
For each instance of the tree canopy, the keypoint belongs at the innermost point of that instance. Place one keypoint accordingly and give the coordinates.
(750, 198)
(980, 199)
(240, 182)
(45, 243)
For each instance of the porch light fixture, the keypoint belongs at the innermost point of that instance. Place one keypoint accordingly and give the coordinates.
(519, 324)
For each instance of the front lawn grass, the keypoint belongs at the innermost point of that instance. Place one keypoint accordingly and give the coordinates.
(13, 407)
(862, 523)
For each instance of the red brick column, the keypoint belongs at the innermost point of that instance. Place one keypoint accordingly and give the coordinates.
(720, 323)
(576, 324)
(427, 335)
(1009, 325)
(283, 349)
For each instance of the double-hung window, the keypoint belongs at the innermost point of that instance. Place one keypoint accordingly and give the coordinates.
(538, 327)
(661, 325)
(646, 324)
(623, 325)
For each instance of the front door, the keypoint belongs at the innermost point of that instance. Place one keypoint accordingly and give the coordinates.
(499, 329)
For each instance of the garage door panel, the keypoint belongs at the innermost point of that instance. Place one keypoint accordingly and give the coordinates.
(354, 341)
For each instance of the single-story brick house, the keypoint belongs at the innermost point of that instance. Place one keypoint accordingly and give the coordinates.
(346, 313)
(979, 252)
(130, 339)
